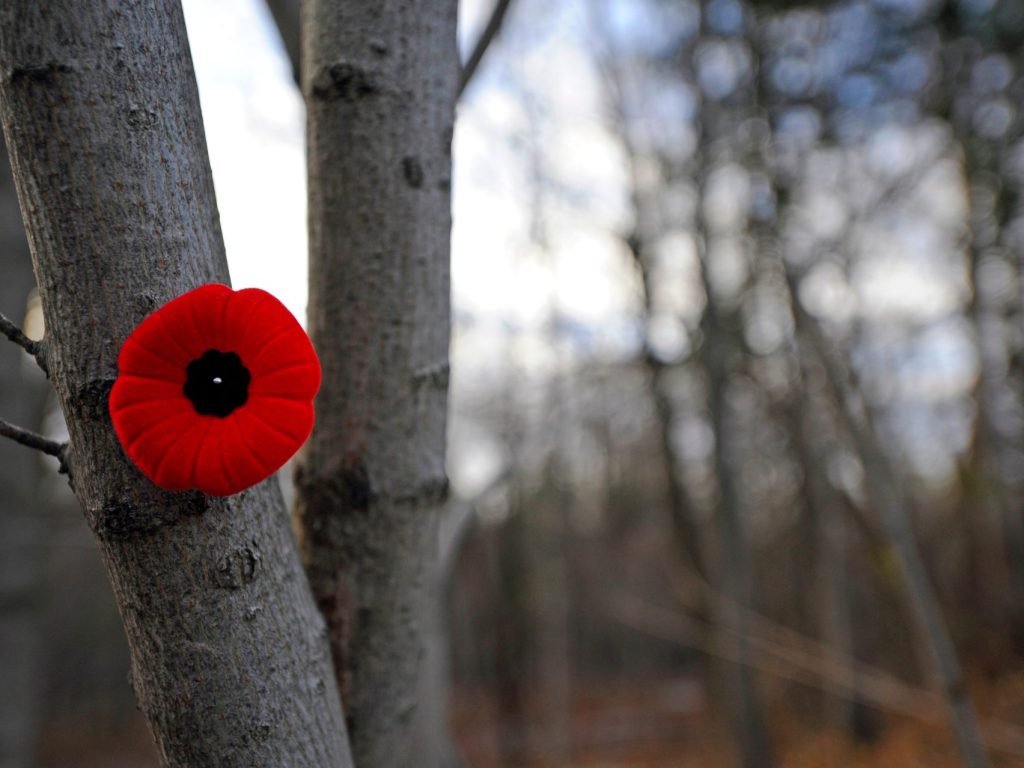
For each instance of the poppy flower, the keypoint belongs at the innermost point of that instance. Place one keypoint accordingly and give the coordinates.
(215, 390)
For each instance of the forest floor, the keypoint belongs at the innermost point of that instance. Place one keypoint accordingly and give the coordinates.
(661, 724)
(668, 724)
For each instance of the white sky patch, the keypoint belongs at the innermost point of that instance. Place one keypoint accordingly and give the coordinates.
(488, 221)
(593, 278)
(254, 120)
(826, 216)
(825, 292)
(492, 111)
(941, 193)
(726, 203)
(889, 286)
(561, 74)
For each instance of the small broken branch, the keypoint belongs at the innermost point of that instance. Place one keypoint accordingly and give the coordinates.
(38, 442)
(35, 348)
(482, 44)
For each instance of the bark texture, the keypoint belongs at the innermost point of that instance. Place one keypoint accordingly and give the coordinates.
(379, 81)
(101, 115)
(22, 397)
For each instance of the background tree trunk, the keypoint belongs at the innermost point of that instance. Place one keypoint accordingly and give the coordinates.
(379, 81)
(753, 749)
(102, 119)
(888, 498)
(746, 712)
(22, 398)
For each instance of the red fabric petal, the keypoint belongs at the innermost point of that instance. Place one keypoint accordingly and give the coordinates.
(190, 322)
(291, 419)
(161, 361)
(246, 465)
(274, 429)
(136, 421)
(290, 347)
(131, 389)
(250, 313)
(158, 426)
(295, 381)
(254, 436)
(209, 307)
(176, 470)
(152, 440)
(211, 473)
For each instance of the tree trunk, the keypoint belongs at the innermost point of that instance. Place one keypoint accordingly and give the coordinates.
(101, 115)
(886, 495)
(430, 724)
(988, 506)
(22, 397)
(379, 81)
(829, 597)
(754, 750)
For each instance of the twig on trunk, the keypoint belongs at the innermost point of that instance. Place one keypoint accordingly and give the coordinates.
(38, 442)
(35, 348)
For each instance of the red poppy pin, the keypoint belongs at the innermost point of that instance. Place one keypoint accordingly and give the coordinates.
(215, 390)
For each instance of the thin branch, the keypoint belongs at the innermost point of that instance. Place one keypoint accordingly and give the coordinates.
(34, 348)
(38, 442)
(482, 44)
(286, 18)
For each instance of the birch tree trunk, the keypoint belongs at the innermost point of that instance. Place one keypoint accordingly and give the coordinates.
(101, 115)
(379, 81)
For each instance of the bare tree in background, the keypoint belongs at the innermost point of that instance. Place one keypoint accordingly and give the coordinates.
(891, 504)
(967, 94)
(22, 397)
(379, 82)
(717, 353)
(101, 116)
(641, 242)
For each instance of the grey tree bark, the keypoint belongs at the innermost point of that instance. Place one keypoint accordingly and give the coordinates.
(101, 115)
(379, 81)
(22, 398)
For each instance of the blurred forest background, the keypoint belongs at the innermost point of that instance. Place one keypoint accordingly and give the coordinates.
(737, 427)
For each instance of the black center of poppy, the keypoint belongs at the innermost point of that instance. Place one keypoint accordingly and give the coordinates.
(217, 383)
